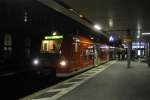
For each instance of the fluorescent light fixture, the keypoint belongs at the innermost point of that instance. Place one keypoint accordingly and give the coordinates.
(145, 33)
(111, 47)
(110, 23)
(97, 27)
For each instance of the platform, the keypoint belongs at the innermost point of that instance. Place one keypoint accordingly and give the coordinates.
(111, 81)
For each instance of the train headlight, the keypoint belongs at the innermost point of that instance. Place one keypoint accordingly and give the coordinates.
(63, 63)
(36, 61)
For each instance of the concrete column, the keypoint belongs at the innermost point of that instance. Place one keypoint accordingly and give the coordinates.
(129, 56)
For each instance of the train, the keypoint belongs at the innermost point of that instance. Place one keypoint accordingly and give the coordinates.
(39, 43)
(73, 53)
(39, 40)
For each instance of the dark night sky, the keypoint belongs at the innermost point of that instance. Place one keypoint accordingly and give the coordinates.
(125, 14)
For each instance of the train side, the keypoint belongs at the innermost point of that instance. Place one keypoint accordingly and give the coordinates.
(81, 53)
(78, 54)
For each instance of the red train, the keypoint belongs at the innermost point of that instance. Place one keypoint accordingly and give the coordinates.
(72, 53)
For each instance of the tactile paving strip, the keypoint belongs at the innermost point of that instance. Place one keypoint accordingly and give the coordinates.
(75, 80)
(63, 86)
(46, 95)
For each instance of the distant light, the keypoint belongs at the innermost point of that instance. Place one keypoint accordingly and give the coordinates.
(97, 27)
(54, 33)
(104, 46)
(90, 47)
(81, 16)
(25, 17)
(138, 46)
(111, 47)
(54, 37)
(35, 61)
(139, 31)
(139, 52)
(145, 33)
(138, 37)
(45, 41)
(71, 9)
(92, 38)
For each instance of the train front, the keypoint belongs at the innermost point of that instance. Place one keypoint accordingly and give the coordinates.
(48, 59)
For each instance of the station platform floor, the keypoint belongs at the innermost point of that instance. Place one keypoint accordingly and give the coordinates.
(110, 81)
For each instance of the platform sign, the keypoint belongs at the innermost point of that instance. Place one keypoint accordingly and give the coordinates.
(53, 37)
(111, 39)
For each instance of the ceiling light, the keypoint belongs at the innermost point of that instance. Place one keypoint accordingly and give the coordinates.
(110, 23)
(145, 33)
(97, 27)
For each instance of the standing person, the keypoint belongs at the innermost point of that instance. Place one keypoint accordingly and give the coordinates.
(123, 55)
(148, 54)
(148, 59)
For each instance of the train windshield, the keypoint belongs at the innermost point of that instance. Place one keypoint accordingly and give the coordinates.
(51, 45)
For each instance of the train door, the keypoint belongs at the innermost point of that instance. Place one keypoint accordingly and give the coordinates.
(95, 55)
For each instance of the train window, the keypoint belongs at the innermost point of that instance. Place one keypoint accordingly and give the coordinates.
(51, 46)
(88, 53)
(7, 44)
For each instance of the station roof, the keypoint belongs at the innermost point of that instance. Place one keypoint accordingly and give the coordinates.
(68, 11)
(116, 16)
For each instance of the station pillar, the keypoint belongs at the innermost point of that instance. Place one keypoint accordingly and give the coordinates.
(127, 40)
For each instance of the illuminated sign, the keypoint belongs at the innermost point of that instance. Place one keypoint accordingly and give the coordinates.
(111, 38)
(54, 37)
(138, 45)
